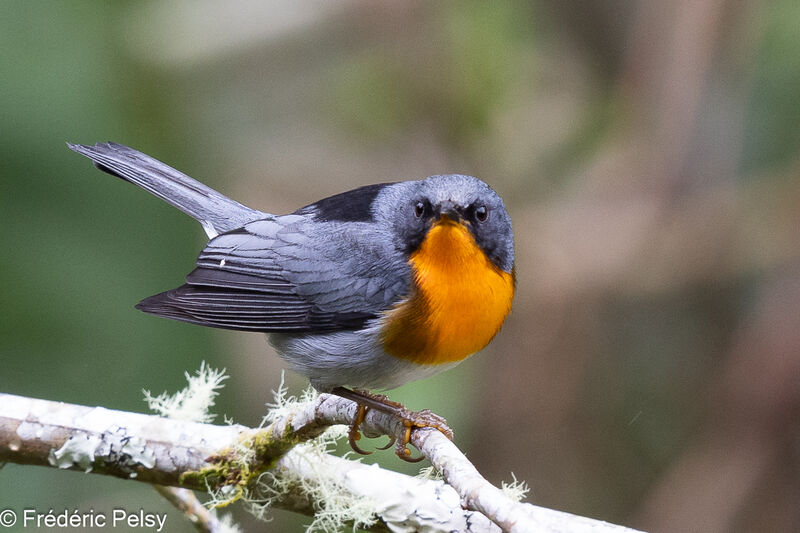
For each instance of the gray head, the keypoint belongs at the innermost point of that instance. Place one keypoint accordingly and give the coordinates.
(413, 207)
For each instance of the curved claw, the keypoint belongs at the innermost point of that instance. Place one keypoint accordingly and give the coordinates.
(392, 440)
(402, 450)
(356, 447)
(353, 435)
(406, 457)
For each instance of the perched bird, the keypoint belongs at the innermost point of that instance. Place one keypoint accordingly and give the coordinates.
(369, 289)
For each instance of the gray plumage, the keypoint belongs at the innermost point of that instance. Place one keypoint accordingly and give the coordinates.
(319, 280)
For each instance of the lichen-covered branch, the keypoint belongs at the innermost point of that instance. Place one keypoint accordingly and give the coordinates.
(273, 465)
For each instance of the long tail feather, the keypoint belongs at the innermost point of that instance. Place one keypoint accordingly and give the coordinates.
(217, 213)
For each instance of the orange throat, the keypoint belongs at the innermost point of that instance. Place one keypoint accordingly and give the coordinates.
(458, 303)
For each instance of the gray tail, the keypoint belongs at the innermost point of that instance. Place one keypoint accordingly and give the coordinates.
(216, 212)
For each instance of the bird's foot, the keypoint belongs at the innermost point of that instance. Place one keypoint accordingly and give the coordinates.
(411, 420)
(418, 419)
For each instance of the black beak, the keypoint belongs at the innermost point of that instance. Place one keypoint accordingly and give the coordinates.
(450, 210)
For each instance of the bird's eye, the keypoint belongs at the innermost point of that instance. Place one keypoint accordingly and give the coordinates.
(419, 209)
(481, 213)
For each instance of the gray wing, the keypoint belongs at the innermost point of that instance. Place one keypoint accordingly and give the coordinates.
(289, 274)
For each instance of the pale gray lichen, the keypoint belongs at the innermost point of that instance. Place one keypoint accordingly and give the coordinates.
(413, 505)
(78, 450)
(226, 523)
(285, 406)
(112, 447)
(132, 453)
(194, 402)
(429, 473)
(336, 507)
(516, 490)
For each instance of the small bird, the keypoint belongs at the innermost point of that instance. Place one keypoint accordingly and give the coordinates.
(367, 289)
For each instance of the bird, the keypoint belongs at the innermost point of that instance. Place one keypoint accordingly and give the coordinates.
(364, 290)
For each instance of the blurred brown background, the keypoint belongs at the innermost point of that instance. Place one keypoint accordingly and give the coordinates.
(648, 153)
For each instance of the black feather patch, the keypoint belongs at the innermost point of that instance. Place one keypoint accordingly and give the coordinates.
(108, 170)
(350, 206)
(246, 311)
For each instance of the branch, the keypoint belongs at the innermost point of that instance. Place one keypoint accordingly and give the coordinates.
(274, 465)
(193, 509)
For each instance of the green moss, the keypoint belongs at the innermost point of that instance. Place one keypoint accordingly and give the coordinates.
(235, 471)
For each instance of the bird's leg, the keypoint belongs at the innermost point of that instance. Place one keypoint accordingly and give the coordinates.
(410, 419)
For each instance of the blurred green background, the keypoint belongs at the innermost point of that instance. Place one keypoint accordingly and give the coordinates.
(649, 156)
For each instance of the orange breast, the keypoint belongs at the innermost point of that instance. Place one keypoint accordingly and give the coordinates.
(459, 301)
